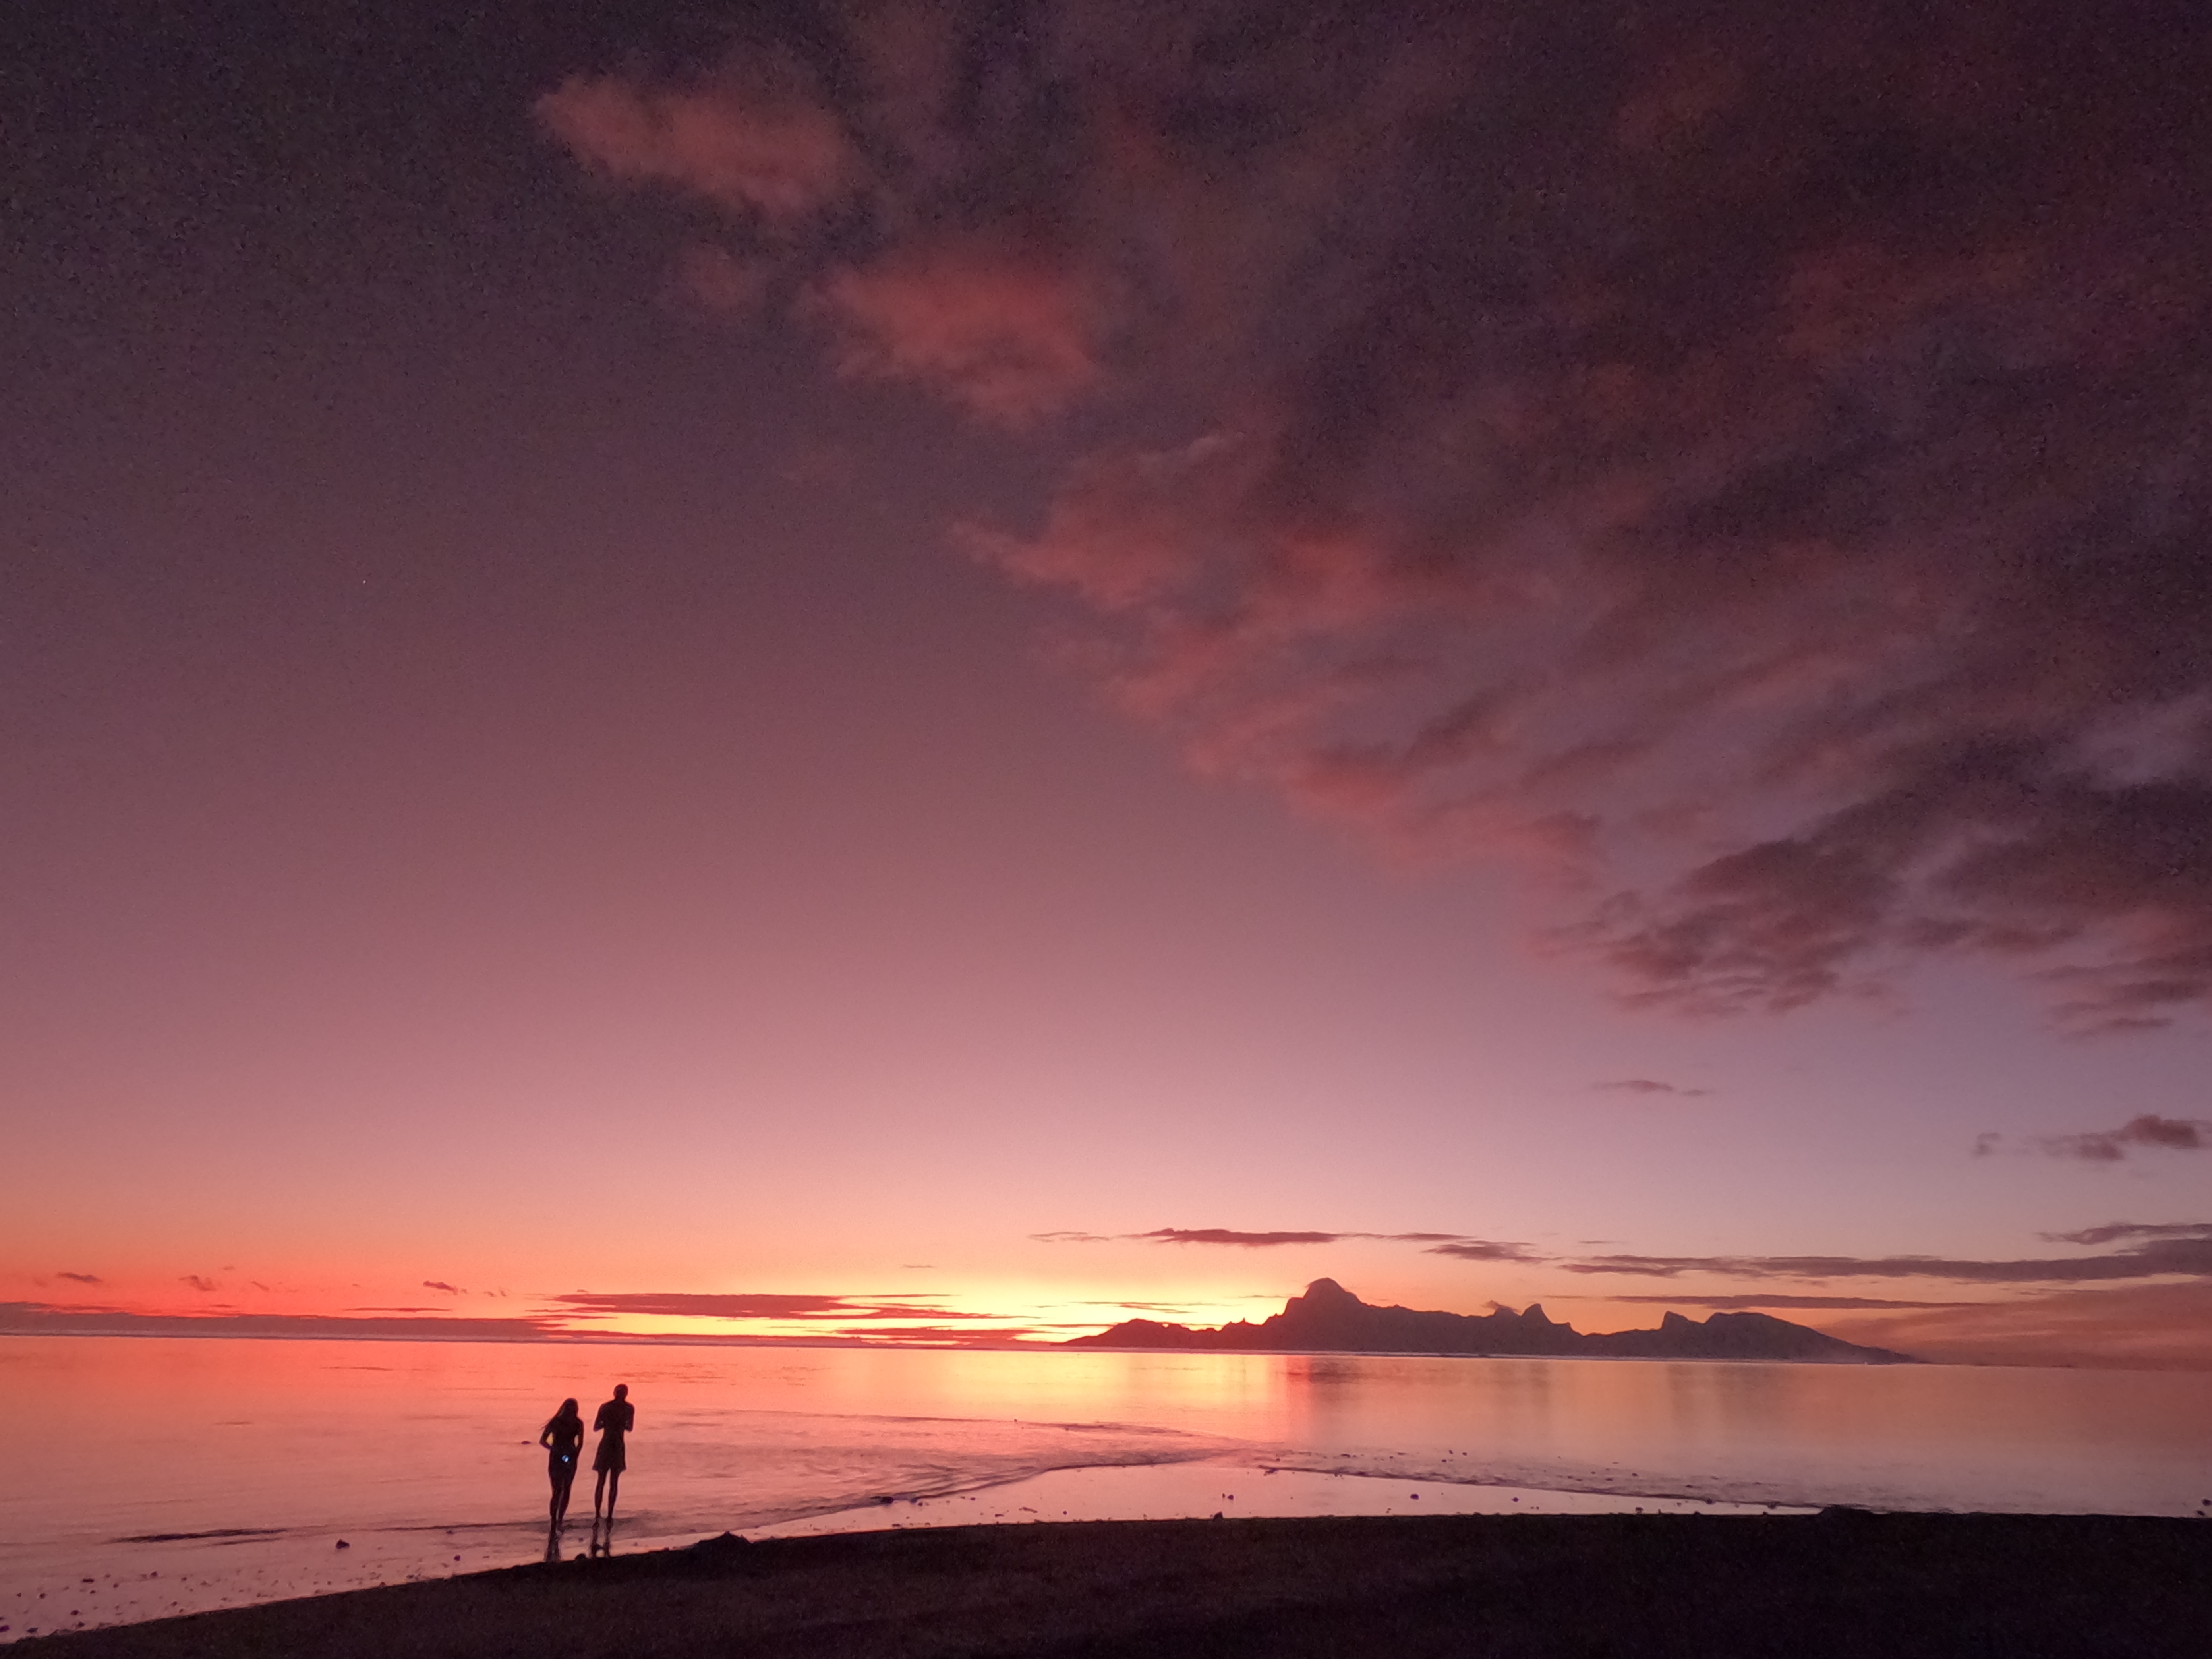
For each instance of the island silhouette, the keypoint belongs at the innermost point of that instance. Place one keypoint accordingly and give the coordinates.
(1329, 1319)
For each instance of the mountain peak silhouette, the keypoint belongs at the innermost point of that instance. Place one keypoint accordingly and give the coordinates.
(1329, 1319)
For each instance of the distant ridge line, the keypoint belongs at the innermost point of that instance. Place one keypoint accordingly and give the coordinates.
(1329, 1319)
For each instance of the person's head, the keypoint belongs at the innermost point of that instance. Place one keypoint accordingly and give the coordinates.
(621, 1390)
(568, 1409)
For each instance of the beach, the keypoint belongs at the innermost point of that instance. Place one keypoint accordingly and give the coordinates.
(174, 1477)
(1841, 1582)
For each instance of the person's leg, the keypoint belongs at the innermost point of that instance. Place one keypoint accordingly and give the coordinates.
(599, 1492)
(614, 1490)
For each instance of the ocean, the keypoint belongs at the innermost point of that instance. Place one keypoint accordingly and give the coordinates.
(154, 1475)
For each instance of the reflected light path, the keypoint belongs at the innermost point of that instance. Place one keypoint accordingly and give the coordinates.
(171, 1474)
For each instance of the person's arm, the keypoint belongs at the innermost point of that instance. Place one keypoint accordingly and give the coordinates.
(546, 1436)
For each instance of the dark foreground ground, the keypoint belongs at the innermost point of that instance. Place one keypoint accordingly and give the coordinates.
(1961, 1587)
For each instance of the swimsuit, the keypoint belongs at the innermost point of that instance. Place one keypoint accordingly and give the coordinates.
(561, 1464)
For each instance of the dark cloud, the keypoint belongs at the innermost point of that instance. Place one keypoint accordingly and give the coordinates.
(1645, 1086)
(1448, 1243)
(2176, 1135)
(1741, 1302)
(440, 1284)
(34, 1318)
(2176, 1249)
(81, 1278)
(423, 1325)
(2112, 1231)
(2180, 1251)
(1230, 1236)
(690, 1305)
(1750, 467)
(1483, 1250)
(198, 1282)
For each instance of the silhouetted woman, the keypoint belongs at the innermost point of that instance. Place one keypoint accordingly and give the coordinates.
(563, 1437)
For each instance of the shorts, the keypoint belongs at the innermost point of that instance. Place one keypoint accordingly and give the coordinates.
(610, 1459)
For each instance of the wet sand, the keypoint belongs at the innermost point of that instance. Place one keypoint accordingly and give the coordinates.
(1836, 1584)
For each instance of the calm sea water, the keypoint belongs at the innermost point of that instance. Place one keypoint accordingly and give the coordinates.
(152, 1475)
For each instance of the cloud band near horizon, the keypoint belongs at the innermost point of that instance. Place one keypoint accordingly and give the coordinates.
(2157, 1250)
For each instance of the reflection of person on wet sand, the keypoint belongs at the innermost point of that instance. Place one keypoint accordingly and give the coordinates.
(563, 1437)
(616, 1419)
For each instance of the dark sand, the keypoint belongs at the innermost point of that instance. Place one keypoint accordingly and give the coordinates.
(1961, 1587)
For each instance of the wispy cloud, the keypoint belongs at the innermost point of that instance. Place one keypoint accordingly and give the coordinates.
(81, 1278)
(1801, 1302)
(2179, 1251)
(440, 1284)
(1645, 1086)
(754, 139)
(197, 1282)
(851, 1325)
(2114, 1230)
(1484, 1249)
(1238, 1239)
(2153, 1251)
(35, 1318)
(695, 1305)
(1006, 328)
(2172, 1134)
(1248, 1241)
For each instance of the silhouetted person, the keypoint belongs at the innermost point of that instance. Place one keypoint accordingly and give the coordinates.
(563, 1437)
(616, 1419)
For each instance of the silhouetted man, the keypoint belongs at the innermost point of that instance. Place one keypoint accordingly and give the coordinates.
(616, 1419)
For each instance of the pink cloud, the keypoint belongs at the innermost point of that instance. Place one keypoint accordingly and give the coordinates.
(1748, 472)
(756, 143)
(1011, 334)
(1118, 532)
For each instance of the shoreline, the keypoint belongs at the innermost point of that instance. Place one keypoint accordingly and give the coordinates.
(1838, 1583)
(242, 1569)
(231, 1568)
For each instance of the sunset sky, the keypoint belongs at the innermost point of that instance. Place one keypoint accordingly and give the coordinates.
(954, 670)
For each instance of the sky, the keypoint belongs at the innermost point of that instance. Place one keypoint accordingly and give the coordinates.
(948, 672)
